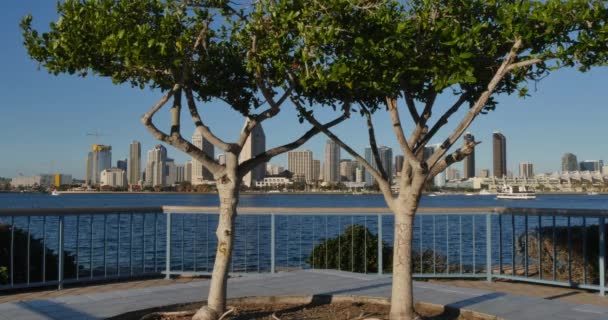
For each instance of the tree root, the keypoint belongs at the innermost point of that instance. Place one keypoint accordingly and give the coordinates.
(227, 313)
(167, 314)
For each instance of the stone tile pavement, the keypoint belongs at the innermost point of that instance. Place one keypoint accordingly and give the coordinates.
(100, 305)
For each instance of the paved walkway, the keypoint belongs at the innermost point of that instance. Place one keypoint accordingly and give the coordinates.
(101, 305)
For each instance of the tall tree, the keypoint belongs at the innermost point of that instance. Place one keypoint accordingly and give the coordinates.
(197, 50)
(380, 57)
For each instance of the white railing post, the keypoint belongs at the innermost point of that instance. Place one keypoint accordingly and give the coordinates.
(272, 244)
(168, 248)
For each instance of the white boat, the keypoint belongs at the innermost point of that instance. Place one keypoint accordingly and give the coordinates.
(469, 194)
(485, 192)
(55, 193)
(515, 193)
(592, 193)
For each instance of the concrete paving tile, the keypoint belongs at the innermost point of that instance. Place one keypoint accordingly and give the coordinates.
(591, 309)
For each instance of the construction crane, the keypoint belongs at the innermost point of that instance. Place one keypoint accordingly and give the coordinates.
(96, 134)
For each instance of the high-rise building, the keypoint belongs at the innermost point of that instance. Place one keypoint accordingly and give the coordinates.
(398, 165)
(180, 173)
(317, 170)
(255, 144)
(273, 169)
(526, 170)
(171, 172)
(591, 165)
(188, 171)
(569, 162)
(199, 172)
(332, 162)
(359, 174)
(386, 159)
(134, 163)
(300, 163)
(113, 177)
(469, 161)
(440, 178)
(156, 166)
(122, 165)
(453, 174)
(499, 152)
(484, 173)
(99, 159)
(348, 170)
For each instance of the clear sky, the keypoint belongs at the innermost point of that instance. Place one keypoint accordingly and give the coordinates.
(44, 119)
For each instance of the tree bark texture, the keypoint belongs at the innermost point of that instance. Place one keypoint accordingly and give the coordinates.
(228, 189)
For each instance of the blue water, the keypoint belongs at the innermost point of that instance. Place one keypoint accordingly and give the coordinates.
(34, 200)
(114, 245)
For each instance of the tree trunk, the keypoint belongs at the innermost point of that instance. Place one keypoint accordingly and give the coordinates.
(228, 189)
(402, 297)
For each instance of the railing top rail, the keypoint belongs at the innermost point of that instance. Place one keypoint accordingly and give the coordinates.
(299, 211)
(74, 211)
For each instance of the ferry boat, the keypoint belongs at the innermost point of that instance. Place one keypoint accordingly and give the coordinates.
(515, 193)
(55, 193)
(592, 193)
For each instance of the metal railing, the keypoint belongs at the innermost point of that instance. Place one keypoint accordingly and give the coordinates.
(58, 246)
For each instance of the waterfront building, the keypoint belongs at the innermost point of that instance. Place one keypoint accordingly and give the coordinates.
(469, 161)
(171, 172)
(569, 162)
(440, 179)
(499, 153)
(98, 159)
(348, 170)
(526, 170)
(255, 144)
(122, 164)
(386, 159)
(591, 165)
(134, 163)
(332, 162)
(60, 179)
(273, 182)
(156, 174)
(188, 171)
(274, 169)
(180, 173)
(42, 180)
(300, 163)
(398, 165)
(605, 169)
(359, 174)
(316, 170)
(200, 174)
(113, 177)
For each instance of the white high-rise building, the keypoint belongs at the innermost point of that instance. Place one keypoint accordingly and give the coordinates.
(255, 144)
(99, 159)
(113, 177)
(156, 174)
(347, 170)
(180, 171)
(332, 162)
(200, 174)
(300, 163)
(188, 171)
(134, 163)
(526, 170)
(273, 169)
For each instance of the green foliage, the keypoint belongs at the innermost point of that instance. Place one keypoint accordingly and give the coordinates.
(3, 275)
(148, 43)
(344, 51)
(357, 240)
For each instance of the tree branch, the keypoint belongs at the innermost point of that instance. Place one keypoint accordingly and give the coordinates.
(391, 104)
(202, 128)
(457, 156)
(442, 121)
(524, 63)
(176, 140)
(477, 107)
(372, 142)
(411, 106)
(248, 165)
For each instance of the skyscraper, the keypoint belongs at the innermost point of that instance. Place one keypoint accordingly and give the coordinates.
(156, 166)
(255, 144)
(122, 165)
(188, 171)
(199, 173)
(591, 165)
(469, 161)
(99, 159)
(316, 170)
(180, 173)
(300, 163)
(332, 162)
(170, 172)
(569, 162)
(439, 180)
(386, 160)
(398, 164)
(526, 170)
(348, 170)
(134, 163)
(499, 152)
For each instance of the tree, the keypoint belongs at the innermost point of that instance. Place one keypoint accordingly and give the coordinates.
(197, 50)
(368, 56)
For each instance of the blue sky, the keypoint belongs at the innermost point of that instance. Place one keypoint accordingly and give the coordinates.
(44, 119)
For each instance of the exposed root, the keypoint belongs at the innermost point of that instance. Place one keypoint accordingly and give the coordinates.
(274, 317)
(205, 313)
(227, 313)
(167, 314)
